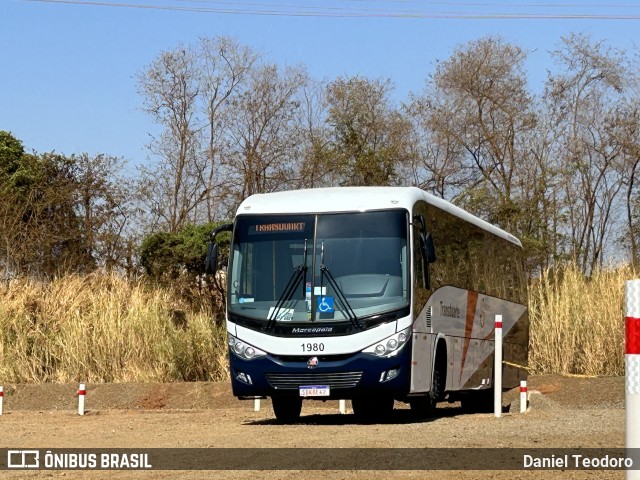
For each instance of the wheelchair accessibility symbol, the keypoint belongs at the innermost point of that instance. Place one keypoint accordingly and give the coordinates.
(325, 304)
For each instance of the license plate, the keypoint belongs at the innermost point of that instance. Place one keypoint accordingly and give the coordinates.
(314, 391)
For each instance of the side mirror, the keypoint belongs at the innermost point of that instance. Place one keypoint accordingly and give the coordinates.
(428, 248)
(211, 263)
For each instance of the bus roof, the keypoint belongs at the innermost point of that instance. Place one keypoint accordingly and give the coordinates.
(356, 199)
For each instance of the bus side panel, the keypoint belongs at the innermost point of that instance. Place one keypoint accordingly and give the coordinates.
(516, 352)
(421, 362)
(515, 342)
(467, 320)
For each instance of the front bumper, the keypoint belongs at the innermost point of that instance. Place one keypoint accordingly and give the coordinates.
(348, 376)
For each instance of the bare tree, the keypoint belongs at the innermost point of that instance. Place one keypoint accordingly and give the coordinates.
(478, 98)
(190, 91)
(104, 206)
(261, 136)
(313, 143)
(582, 99)
(370, 138)
(627, 131)
(223, 65)
(436, 158)
(480, 143)
(170, 88)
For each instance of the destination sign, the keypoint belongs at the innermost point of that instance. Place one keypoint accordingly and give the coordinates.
(278, 227)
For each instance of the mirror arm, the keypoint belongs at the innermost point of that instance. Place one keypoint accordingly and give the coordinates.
(227, 227)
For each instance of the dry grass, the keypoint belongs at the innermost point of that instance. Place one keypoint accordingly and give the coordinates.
(103, 328)
(577, 324)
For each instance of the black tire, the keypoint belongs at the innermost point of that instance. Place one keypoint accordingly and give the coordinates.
(439, 382)
(287, 409)
(372, 409)
(424, 407)
(427, 406)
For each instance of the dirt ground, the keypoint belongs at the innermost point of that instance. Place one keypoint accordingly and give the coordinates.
(564, 412)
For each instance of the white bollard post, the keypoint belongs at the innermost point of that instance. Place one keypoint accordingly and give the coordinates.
(632, 370)
(523, 396)
(256, 405)
(82, 391)
(1, 397)
(497, 368)
(342, 406)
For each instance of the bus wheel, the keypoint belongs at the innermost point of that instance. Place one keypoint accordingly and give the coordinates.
(372, 409)
(424, 407)
(439, 379)
(287, 409)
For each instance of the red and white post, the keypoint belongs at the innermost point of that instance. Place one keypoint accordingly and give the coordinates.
(497, 368)
(523, 396)
(1, 398)
(632, 370)
(82, 391)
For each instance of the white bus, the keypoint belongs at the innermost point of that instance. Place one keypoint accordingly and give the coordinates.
(372, 294)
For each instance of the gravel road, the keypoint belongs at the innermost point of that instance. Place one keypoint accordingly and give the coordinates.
(564, 412)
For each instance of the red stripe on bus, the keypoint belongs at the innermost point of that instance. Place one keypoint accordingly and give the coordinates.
(633, 335)
(472, 303)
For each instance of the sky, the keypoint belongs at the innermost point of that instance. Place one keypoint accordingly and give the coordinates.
(68, 67)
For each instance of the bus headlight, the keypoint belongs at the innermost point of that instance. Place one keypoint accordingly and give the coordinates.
(390, 346)
(242, 349)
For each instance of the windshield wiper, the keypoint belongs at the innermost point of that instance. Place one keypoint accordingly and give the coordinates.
(298, 273)
(346, 309)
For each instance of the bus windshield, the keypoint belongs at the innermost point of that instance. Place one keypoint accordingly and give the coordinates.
(319, 268)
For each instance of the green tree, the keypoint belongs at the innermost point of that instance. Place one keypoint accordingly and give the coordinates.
(59, 213)
(11, 153)
(41, 234)
(167, 256)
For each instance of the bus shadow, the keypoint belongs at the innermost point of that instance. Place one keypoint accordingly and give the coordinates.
(398, 416)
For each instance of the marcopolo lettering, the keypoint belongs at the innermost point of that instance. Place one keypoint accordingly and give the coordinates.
(312, 330)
